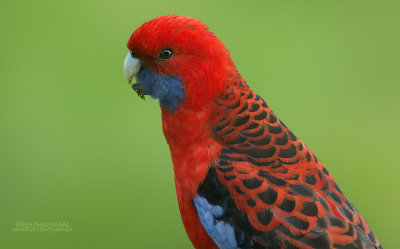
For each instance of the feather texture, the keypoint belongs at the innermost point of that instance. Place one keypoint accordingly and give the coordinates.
(278, 186)
(243, 179)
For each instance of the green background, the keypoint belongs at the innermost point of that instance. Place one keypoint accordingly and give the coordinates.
(78, 145)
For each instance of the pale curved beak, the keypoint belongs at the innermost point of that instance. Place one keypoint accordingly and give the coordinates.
(132, 66)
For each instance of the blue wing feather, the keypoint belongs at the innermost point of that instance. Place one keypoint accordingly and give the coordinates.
(220, 231)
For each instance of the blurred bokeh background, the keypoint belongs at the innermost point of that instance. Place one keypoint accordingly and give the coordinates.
(77, 145)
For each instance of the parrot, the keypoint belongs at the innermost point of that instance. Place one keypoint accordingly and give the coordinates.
(243, 179)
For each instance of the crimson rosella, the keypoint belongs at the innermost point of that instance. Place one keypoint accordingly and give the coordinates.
(243, 179)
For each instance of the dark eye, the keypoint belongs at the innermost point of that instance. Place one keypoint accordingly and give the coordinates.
(133, 54)
(165, 54)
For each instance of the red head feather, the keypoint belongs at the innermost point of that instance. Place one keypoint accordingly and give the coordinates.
(201, 60)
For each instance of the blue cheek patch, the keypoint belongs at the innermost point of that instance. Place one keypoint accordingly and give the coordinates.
(221, 232)
(167, 89)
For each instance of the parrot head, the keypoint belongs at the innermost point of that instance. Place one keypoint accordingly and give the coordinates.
(177, 60)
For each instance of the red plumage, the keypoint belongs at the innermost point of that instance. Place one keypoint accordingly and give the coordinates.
(190, 145)
(193, 43)
(272, 177)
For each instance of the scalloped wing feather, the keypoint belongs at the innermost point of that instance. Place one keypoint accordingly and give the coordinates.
(286, 194)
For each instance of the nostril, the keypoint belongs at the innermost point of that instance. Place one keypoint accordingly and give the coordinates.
(133, 54)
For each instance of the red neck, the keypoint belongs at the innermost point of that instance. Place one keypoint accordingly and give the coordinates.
(188, 134)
